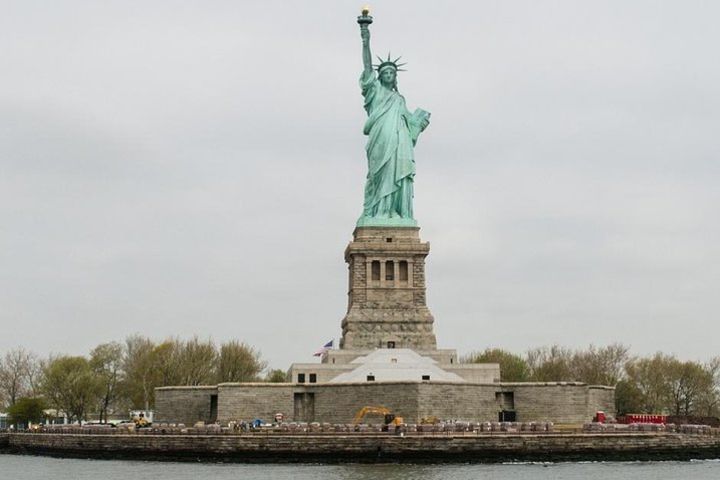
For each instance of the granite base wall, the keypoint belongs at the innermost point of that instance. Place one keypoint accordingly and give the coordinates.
(558, 403)
(248, 401)
(601, 398)
(447, 401)
(184, 404)
(338, 403)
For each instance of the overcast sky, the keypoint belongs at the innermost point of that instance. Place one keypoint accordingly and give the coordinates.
(179, 168)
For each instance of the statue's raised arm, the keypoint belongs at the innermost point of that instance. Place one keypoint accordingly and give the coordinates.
(365, 20)
(392, 132)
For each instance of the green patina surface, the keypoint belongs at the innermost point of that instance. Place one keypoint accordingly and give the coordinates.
(386, 222)
(392, 132)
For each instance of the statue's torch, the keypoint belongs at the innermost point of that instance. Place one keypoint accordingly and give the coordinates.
(365, 19)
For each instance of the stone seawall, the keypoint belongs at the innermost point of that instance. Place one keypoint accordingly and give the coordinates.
(564, 402)
(371, 448)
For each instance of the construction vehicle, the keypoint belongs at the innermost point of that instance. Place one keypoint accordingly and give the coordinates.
(140, 421)
(389, 417)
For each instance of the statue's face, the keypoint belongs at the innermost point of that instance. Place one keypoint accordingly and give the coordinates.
(387, 77)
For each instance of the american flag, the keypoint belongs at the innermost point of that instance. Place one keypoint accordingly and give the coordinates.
(324, 349)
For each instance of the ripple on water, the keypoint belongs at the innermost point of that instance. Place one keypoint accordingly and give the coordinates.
(18, 467)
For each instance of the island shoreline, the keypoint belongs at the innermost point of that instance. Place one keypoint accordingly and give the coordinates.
(339, 449)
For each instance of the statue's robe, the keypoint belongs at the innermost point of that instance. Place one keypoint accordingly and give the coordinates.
(392, 132)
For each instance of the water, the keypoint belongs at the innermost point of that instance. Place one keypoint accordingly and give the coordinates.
(32, 468)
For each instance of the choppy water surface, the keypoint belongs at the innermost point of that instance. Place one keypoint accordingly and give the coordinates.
(32, 468)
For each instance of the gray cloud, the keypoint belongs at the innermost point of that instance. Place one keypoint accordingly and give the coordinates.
(180, 168)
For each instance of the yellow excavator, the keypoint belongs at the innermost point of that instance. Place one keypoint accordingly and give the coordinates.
(389, 417)
(140, 421)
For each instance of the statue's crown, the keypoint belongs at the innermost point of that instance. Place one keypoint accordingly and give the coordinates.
(389, 63)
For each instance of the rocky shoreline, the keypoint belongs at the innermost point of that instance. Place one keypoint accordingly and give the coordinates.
(330, 448)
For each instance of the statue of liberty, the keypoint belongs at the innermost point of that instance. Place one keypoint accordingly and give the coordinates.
(392, 133)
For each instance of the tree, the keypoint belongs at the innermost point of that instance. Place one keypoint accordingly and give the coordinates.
(239, 362)
(650, 377)
(165, 359)
(513, 368)
(70, 385)
(550, 364)
(599, 366)
(276, 376)
(191, 362)
(709, 401)
(196, 362)
(140, 372)
(35, 375)
(16, 369)
(106, 362)
(26, 410)
(687, 381)
(628, 398)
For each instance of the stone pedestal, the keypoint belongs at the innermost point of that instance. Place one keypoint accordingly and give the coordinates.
(386, 298)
